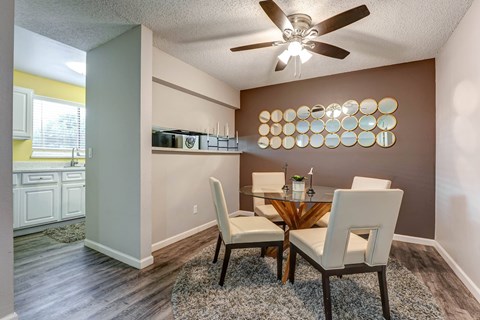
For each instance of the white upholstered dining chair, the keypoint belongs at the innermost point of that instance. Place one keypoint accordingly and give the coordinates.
(243, 232)
(267, 182)
(360, 183)
(337, 251)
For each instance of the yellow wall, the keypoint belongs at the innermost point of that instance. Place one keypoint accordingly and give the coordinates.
(22, 149)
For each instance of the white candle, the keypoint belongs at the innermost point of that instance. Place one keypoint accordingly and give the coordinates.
(236, 134)
(218, 129)
(226, 129)
(208, 136)
(311, 172)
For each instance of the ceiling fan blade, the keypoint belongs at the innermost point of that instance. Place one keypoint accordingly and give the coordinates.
(282, 65)
(255, 46)
(276, 15)
(341, 20)
(328, 50)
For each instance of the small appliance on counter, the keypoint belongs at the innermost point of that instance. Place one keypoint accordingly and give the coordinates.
(165, 140)
(187, 142)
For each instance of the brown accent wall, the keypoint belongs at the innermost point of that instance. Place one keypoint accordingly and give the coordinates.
(410, 163)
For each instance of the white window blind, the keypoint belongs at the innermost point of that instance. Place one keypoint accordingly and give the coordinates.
(58, 125)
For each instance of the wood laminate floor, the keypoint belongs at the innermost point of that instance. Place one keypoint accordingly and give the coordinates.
(69, 281)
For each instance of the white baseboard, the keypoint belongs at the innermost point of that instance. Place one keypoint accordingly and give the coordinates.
(120, 256)
(11, 316)
(416, 240)
(471, 286)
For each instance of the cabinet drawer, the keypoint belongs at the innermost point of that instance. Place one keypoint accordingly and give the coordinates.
(15, 179)
(37, 178)
(73, 176)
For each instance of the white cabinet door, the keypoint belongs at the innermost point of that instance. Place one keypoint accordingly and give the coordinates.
(22, 113)
(39, 205)
(16, 208)
(73, 200)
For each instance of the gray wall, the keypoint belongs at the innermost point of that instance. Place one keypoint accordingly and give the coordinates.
(6, 215)
(118, 118)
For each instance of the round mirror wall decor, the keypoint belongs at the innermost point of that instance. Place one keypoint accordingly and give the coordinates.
(366, 139)
(387, 105)
(367, 123)
(303, 112)
(289, 129)
(386, 139)
(316, 140)
(263, 142)
(302, 140)
(368, 106)
(348, 138)
(276, 129)
(349, 123)
(350, 107)
(318, 111)
(303, 126)
(264, 116)
(264, 129)
(277, 116)
(386, 122)
(289, 115)
(275, 142)
(332, 140)
(333, 111)
(288, 142)
(333, 125)
(317, 126)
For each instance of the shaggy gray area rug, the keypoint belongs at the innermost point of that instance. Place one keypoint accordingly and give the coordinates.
(67, 234)
(251, 291)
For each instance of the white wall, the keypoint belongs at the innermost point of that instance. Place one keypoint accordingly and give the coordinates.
(180, 181)
(6, 215)
(118, 177)
(458, 149)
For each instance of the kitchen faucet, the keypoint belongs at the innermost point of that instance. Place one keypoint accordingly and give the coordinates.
(73, 162)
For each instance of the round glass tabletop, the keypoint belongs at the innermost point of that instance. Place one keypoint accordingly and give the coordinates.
(322, 194)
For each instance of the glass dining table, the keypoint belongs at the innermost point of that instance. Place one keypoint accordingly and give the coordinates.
(299, 210)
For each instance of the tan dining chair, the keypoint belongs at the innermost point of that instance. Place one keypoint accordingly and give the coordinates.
(267, 182)
(337, 251)
(359, 183)
(243, 231)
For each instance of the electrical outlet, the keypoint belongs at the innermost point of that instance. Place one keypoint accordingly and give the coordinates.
(195, 209)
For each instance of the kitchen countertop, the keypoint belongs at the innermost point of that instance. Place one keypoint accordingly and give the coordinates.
(20, 167)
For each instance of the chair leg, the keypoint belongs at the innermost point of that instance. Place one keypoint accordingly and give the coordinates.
(327, 301)
(217, 249)
(382, 281)
(279, 260)
(293, 262)
(262, 252)
(225, 264)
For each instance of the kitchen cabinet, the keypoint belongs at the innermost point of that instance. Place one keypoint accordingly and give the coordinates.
(39, 205)
(22, 113)
(73, 200)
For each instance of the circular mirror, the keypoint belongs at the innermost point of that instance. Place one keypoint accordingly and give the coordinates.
(302, 140)
(316, 140)
(368, 106)
(333, 125)
(277, 116)
(349, 123)
(317, 126)
(332, 140)
(349, 138)
(303, 126)
(289, 129)
(366, 139)
(367, 123)
(288, 142)
(264, 129)
(386, 139)
(264, 116)
(276, 129)
(303, 112)
(318, 111)
(350, 107)
(289, 115)
(263, 142)
(334, 110)
(386, 122)
(275, 142)
(387, 105)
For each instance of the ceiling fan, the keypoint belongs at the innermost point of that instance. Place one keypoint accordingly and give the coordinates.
(298, 33)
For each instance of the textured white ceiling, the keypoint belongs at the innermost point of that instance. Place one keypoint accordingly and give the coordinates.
(200, 32)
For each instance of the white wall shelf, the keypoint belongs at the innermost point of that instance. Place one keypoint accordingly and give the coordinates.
(177, 150)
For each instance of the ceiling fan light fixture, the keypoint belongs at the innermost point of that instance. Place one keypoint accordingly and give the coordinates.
(284, 56)
(305, 55)
(294, 48)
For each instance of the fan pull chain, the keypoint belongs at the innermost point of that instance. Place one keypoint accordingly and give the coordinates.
(298, 68)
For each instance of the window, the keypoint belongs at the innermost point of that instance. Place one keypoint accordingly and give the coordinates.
(58, 126)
